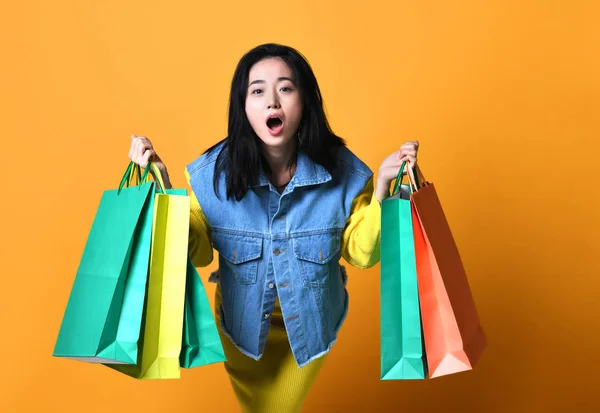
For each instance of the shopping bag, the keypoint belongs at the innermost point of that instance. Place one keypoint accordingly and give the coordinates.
(454, 337)
(401, 336)
(201, 341)
(103, 316)
(163, 314)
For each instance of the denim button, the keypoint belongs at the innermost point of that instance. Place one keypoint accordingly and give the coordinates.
(266, 315)
(276, 251)
(271, 285)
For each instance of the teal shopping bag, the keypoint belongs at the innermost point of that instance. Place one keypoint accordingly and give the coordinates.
(201, 343)
(162, 325)
(103, 316)
(401, 335)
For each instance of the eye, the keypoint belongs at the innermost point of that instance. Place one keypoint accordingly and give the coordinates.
(286, 89)
(256, 91)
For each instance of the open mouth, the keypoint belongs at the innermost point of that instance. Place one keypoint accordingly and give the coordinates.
(274, 123)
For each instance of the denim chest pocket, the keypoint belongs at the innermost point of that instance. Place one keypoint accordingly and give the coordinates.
(314, 254)
(241, 254)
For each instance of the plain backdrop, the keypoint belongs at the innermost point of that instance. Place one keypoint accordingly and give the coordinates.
(503, 96)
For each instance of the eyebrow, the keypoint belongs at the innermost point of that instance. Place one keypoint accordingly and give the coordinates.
(279, 79)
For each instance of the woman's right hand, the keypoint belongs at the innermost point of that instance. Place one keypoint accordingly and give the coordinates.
(141, 152)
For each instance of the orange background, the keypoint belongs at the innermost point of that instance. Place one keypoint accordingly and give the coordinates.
(503, 96)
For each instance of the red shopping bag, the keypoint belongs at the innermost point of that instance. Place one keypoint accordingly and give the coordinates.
(454, 338)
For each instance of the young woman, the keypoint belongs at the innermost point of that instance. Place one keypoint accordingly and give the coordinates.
(281, 199)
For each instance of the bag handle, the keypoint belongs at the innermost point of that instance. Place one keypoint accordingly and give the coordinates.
(412, 182)
(138, 176)
(157, 177)
(131, 169)
(134, 169)
(421, 181)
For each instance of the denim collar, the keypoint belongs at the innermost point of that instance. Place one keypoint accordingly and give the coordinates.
(307, 173)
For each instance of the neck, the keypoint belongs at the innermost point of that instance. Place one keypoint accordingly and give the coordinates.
(281, 159)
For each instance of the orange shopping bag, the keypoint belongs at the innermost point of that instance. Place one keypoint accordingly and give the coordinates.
(454, 338)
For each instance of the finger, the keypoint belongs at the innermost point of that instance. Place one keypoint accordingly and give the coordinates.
(143, 146)
(396, 161)
(410, 162)
(410, 152)
(146, 143)
(146, 146)
(137, 151)
(132, 146)
(145, 140)
(410, 146)
(389, 173)
(137, 138)
(130, 154)
(395, 166)
(392, 160)
(395, 171)
(142, 150)
(146, 157)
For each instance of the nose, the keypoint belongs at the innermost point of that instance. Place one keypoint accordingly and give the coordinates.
(273, 102)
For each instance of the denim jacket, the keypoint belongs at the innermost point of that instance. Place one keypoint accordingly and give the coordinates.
(282, 245)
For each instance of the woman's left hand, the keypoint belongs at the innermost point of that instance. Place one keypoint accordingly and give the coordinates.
(389, 168)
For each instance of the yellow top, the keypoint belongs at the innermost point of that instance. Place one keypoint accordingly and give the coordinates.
(360, 239)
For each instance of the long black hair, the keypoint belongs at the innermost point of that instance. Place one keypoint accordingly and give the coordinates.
(241, 157)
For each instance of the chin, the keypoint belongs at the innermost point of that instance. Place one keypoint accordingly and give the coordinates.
(275, 141)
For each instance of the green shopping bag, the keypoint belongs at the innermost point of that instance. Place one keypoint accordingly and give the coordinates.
(201, 341)
(103, 316)
(402, 349)
(161, 339)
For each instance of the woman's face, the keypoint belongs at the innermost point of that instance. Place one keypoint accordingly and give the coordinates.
(273, 102)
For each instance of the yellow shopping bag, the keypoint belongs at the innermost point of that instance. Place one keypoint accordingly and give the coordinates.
(161, 341)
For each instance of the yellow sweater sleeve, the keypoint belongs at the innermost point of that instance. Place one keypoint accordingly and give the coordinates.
(200, 239)
(361, 236)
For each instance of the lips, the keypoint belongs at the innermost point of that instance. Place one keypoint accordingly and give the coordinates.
(275, 123)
